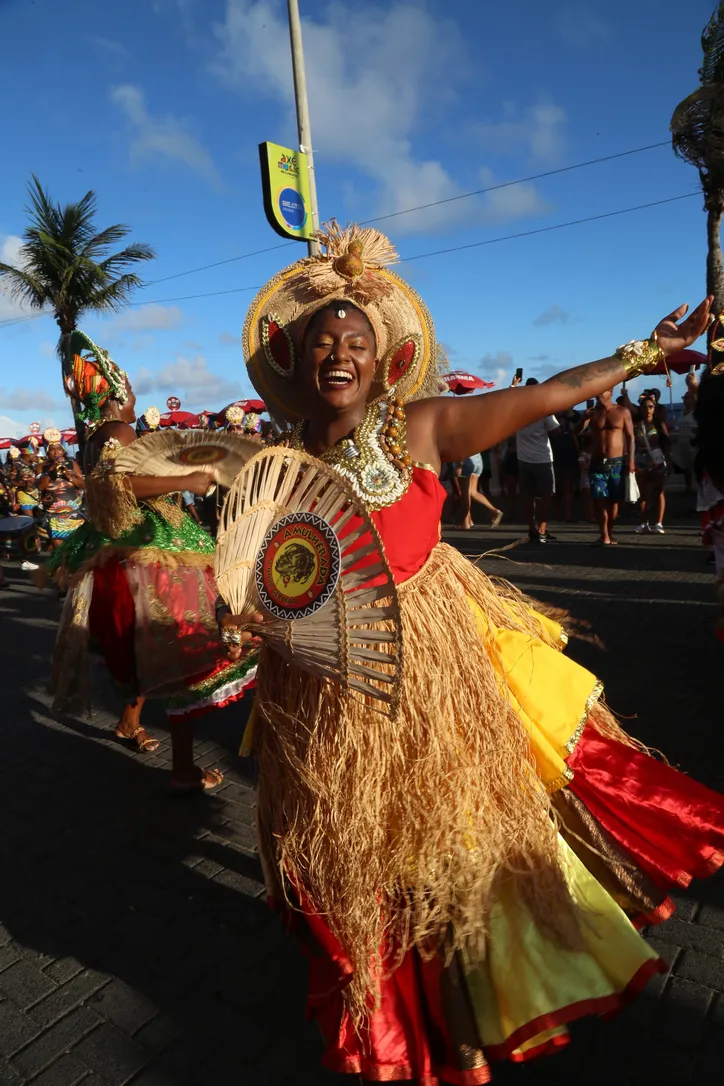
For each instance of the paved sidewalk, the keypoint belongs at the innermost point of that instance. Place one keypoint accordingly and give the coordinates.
(135, 946)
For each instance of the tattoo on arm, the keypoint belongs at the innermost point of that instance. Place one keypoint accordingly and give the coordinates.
(592, 371)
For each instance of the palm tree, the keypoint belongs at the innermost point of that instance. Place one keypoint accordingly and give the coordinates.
(697, 129)
(64, 263)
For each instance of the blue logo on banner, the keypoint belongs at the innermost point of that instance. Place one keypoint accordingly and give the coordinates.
(291, 206)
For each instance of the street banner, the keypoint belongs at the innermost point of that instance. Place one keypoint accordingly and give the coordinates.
(285, 183)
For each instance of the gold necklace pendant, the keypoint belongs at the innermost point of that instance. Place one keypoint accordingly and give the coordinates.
(374, 460)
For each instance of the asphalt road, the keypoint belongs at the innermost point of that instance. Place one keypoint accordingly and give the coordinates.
(135, 945)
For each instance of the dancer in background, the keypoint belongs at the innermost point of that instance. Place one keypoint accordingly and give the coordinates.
(465, 878)
(61, 485)
(142, 586)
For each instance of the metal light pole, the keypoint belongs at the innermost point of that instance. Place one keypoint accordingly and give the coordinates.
(303, 125)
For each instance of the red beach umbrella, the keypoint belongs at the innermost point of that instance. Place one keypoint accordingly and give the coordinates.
(6, 442)
(69, 437)
(461, 383)
(185, 420)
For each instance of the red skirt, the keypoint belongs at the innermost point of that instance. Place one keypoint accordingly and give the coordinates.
(168, 650)
(652, 828)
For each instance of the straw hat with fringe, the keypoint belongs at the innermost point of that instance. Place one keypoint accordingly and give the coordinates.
(355, 268)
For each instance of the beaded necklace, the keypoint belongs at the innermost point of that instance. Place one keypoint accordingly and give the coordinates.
(374, 459)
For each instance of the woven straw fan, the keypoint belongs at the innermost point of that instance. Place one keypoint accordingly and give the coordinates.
(295, 544)
(180, 452)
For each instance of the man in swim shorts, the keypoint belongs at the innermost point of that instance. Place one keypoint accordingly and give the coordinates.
(611, 429)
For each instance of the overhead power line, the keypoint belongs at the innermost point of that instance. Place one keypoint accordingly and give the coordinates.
(217, 264)
(418, 256)
(380, 218)
(547, 229)
(424, 207)
(520, 181)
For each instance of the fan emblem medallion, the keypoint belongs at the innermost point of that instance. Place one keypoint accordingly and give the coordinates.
(298, 566)
(200, 454)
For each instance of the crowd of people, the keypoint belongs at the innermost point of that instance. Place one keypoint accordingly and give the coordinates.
(468, 869)
(584, 464)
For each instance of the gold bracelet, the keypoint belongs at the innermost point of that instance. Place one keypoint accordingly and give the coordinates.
(640, 356)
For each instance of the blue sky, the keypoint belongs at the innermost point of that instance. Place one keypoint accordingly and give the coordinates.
(158, 105)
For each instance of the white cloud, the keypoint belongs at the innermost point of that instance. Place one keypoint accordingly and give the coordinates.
(512, 202)
(503, 360)
(579, 26)
(228, 340)
(536, 132)
(163, 136)
(11, 427)
(191, 380)
(373, 74)
(11, 309)
(553, 315)
(10, 249)
(29, 399)
(108, 45)
(147, 318)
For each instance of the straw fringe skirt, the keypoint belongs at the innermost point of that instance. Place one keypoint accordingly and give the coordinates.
(468, 879)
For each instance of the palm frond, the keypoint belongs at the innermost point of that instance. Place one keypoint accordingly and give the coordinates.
(132, 254)
(712, 44)
(43, 212)
(97, 243)
(115, 296)
(65, 261)
(22, 286)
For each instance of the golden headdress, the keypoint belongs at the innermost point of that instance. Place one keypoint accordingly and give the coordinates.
(355, 268)
(52, 436)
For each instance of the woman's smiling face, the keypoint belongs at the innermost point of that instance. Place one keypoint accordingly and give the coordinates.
(339, 358)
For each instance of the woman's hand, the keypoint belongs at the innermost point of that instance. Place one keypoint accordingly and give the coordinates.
(675, 337)
(198, 482)
(238, 640)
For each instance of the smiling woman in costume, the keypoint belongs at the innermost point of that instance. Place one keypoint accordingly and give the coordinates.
(466, 878)
(142, 582)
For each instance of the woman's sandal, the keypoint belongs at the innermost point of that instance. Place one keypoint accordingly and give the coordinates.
(144, 743)
(190, 788)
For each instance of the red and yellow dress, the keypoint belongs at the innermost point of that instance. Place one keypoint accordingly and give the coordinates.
(629, 828)
(141, 593)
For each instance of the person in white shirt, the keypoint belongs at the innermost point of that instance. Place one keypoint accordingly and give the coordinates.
(535, 472)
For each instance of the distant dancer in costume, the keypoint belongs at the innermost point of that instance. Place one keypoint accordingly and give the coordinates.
(466, 878)
(61, 486)
(27, 495)
(142, 583)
